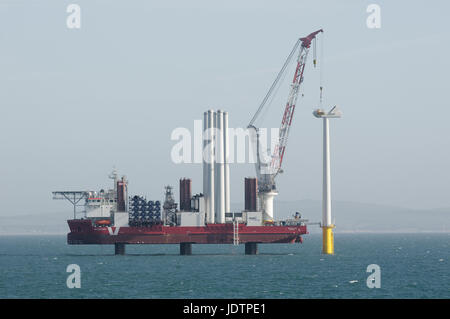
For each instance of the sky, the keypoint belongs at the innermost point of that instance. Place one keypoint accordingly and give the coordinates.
(76, 102)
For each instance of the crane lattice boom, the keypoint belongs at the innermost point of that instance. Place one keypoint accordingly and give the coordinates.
(267, 171)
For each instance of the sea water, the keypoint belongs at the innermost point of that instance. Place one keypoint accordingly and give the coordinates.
(411, 266)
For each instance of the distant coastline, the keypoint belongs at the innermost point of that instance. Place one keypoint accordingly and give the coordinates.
(349, 217)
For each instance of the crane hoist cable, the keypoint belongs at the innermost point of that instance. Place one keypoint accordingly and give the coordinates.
(275, 82)
(321, 71)
(271, 99)
(315, 52)
(315, 63)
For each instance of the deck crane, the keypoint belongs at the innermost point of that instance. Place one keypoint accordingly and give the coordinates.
(268, 167)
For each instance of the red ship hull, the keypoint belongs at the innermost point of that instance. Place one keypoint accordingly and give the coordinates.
(83, 232)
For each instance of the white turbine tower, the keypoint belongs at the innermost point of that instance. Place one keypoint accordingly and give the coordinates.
(327, 225)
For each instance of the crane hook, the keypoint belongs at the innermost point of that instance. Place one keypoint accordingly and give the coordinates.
(314, 53)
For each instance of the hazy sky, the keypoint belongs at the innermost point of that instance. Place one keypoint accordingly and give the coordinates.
(75, 102)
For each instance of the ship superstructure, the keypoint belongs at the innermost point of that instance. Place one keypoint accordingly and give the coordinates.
(105, 221)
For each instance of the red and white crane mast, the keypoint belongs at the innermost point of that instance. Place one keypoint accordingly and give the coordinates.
(267, 170)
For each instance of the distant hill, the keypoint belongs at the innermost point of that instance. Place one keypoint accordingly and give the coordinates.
(348, 216)
(361, 217)
(35, 224)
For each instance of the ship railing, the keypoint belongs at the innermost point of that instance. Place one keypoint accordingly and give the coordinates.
(74, 197)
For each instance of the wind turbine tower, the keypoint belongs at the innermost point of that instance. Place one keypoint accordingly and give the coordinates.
(327, 225)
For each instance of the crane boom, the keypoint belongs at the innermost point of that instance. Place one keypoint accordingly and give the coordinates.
(267, 171)
(277, 158)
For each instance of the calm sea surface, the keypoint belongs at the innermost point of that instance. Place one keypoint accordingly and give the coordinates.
(412, 266)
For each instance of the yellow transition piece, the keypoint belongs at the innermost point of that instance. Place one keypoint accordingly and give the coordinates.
(328, 240)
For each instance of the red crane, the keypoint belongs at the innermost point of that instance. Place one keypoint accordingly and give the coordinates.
(268, 170)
